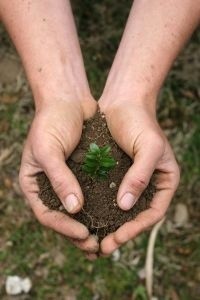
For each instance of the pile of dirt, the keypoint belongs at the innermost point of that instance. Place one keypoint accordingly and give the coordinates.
(100, 212)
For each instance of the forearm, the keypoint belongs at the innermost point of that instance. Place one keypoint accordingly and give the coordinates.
(155, 33)
(45, 36)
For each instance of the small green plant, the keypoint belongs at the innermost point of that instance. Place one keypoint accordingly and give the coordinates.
(98, 161)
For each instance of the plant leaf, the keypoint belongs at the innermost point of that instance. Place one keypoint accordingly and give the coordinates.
(88, 169)
(102, 174)
(94, 148)
(108, 162)
(98, 161)
(91, 164)
(91, 157)
(105, 150)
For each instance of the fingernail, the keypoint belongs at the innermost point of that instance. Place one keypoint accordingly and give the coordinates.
(127, 201)
(71, 203)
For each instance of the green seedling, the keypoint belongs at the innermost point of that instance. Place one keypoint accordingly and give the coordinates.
(98, 161)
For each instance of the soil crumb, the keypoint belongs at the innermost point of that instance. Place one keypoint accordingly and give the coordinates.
(100, 212)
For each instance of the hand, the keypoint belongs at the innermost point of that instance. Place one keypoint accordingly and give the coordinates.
(135, 129)
(54, 134)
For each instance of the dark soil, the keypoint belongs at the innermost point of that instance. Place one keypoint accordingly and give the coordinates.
(100, 212)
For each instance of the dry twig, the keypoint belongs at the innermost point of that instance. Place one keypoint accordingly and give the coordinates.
(149, 258)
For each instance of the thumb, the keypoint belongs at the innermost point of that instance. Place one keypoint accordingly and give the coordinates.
(64, 183)
(137, 178)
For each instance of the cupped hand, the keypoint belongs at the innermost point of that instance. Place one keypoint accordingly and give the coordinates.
(134, 127)
(54, 134)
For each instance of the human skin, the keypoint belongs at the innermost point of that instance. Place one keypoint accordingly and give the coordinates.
(155, 33)
(45, 36)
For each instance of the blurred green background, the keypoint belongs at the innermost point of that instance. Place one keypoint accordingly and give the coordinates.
(56, 269)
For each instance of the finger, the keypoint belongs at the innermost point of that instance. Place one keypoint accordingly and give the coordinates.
(142, 222)
(55, 220)
(90, 245)
(128, 231)
(138, 176)
(91, 256)
(64, 183)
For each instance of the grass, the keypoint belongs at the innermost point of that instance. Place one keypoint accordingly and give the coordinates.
(28, 245)
(56, 268)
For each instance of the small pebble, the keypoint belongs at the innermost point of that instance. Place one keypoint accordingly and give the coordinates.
(16, 285)
(77, 156)
(61, 207)
(181, 215)
(26, 285)
(116, 255)
(9, 243)
(112, 185)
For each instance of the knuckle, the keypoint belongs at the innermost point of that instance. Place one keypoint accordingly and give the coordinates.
(175, 177)
(41, 153)
(22, 182)
(177, 173)
(139, 183)
(156, 141)
(121, 236)
(21, 179)
(159, 144)
(119, 239)
(81, 235)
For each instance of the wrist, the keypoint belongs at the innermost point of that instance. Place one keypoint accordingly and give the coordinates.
(48, 86)
(61, 86)
(133, 96)
(63, 96)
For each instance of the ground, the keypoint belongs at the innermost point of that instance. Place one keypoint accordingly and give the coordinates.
(56, 268)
